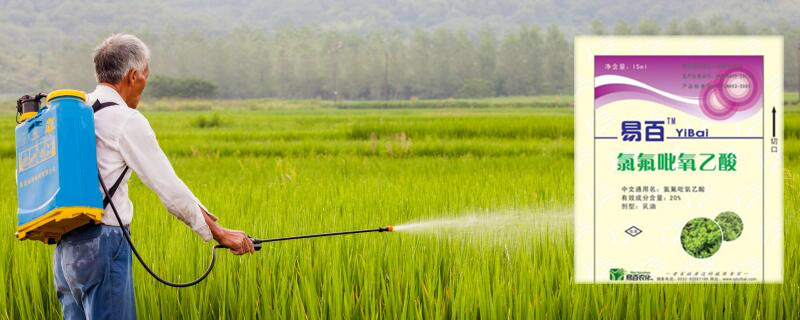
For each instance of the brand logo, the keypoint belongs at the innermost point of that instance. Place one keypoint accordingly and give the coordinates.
(617, 274)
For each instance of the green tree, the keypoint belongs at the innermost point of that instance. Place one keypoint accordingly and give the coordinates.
(557, 62)
(475, 88)
(597, 27)
(649, 27)
(673, 28)
(693, 27)
(622, 28)
(160, 86)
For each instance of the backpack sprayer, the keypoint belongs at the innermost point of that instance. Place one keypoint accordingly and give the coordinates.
(58, 183)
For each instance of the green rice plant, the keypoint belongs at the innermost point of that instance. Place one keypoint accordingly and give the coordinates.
(296, 167)
(202, 121)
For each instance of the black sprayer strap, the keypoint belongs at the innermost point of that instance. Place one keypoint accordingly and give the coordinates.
(97, 106)
(114, 187)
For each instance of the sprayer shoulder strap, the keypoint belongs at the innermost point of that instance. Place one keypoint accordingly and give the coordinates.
(114, 187)
(97, 106)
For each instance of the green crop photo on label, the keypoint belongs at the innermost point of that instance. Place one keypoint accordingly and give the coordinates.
(731, 225)
(701, 237)
(679, 159)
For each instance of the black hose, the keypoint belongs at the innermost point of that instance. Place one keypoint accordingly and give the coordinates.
(205, 274)
(138, 257)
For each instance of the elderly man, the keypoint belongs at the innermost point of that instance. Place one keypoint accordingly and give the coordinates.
(92, 264)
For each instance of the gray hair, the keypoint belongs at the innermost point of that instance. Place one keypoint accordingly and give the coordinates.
(117, 55)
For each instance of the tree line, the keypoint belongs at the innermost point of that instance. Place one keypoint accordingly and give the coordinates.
(311, 62)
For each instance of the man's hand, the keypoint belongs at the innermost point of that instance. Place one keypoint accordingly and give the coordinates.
(237, 241)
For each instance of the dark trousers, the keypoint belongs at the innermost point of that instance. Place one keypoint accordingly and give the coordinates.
(92, 267)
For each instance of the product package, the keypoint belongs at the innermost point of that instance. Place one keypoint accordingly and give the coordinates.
(678, 159)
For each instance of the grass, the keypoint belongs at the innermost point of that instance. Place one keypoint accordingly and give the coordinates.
(287, 171)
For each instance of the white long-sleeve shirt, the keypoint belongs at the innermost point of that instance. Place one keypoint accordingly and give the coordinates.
(125, 138)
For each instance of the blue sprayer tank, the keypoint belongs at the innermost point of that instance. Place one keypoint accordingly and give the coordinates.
(57, 180)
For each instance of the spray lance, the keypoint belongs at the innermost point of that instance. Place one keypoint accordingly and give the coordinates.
(256, 245)
(58, 183)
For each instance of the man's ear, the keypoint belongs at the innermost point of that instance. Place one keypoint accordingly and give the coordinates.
(131, 75)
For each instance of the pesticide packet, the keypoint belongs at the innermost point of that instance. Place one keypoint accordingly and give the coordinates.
(678, 159)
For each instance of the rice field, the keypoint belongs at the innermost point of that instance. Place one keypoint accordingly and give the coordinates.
(280, 171)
